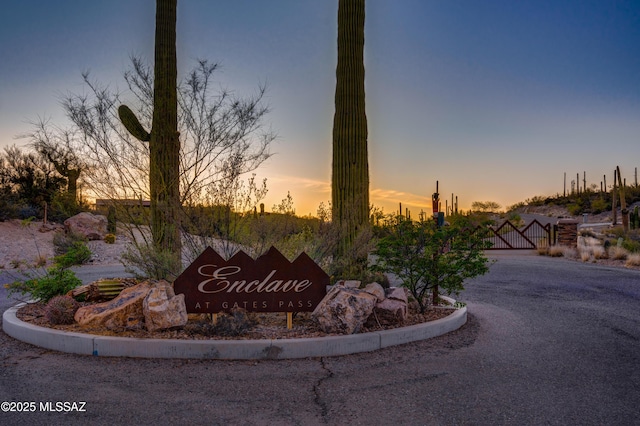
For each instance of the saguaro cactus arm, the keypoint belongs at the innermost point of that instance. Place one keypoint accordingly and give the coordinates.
(132, 124)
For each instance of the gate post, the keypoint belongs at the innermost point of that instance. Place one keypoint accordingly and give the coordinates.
(567, 232)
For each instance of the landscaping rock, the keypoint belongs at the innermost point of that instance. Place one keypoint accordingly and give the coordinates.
(90, 226)
(344, 310)
(397, 293)
(377, 290)
(389, 312)
(162, 309)
(125, 311)
(349, 283)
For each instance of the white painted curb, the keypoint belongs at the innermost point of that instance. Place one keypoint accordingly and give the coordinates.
(88, 344)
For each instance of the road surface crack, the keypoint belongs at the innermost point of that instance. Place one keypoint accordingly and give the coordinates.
(318, 400)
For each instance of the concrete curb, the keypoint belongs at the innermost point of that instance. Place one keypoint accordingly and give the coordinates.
(87, 344)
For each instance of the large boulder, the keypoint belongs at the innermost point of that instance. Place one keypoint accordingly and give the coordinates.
(91, 226)
(162, 309)
(343, 310)
(123, 312)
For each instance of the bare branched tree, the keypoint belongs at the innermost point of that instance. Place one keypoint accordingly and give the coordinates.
(222, 138)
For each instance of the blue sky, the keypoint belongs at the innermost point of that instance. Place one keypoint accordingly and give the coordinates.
(495, 99)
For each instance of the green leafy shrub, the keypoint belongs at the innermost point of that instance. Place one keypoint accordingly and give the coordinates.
(574, 209)
(631, 245)
(599, 205)
(56, 281)
(77, 254)
(61, 309)
(428, 258)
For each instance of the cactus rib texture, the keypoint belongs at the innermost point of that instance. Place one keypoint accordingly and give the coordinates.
(350, 167)
(164, 144)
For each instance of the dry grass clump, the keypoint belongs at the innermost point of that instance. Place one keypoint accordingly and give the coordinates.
(585, 255)
(543, 250)
(599, 252)
(592, 253)
(633, 259)
(618, 253)
(556, 251)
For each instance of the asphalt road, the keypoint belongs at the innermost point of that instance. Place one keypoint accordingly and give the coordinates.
(548, 342)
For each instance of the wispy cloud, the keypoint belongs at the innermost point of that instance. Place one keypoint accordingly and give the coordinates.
(390, 196)
(314, 185)
(316, 191)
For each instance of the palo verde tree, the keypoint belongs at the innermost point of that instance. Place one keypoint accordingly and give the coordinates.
(164, 143)
(350, 167)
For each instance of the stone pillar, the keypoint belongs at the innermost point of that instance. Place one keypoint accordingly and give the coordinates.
(567, 232)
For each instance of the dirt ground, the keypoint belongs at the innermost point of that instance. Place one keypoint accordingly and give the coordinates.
(29, 244)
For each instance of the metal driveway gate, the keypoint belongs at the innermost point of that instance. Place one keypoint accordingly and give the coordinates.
(508, 237)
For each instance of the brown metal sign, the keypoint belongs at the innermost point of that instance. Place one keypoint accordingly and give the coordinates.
(268, 284)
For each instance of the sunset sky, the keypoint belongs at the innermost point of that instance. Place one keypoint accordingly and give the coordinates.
(495, 99)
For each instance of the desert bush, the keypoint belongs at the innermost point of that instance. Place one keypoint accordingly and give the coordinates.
(426, 257)
(77, 254)
(617, 232)
(630, 245)
(40, 261)
(633, 259)
(574, 209)
(599, 252)
(585, 255)
(599, 205)
(543, 250)
(56, 281)
(65, 205)
(516, 219)
(63, 242)
(61, 309)
(144, 261)
(618, 253)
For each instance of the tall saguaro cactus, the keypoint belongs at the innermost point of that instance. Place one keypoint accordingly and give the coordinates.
(164, 144)
(350, 168)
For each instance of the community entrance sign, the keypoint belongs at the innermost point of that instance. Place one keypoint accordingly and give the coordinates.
(268, 284)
